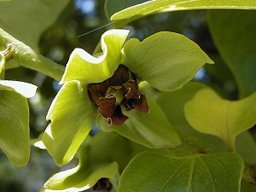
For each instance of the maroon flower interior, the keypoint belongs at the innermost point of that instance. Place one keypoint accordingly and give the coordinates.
(119, 90)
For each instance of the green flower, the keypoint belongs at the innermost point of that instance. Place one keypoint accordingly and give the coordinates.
(108, 89)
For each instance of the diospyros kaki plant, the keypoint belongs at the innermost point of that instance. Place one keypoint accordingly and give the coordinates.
(131, 113)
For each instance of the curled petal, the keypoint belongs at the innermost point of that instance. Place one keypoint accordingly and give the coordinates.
(107, 106)
(89, 69)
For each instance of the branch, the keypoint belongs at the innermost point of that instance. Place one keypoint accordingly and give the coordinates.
(24, 56)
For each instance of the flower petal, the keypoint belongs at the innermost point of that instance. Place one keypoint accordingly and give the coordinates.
(72, 115)
(101, 156)
(25, 89)
(89, 69)
(166, 60)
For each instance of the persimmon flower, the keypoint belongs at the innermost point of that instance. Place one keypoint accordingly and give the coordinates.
(106, 89)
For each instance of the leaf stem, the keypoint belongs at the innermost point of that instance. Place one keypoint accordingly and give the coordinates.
(27, 57)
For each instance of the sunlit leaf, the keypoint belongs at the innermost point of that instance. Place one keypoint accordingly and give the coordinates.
(14, 127)
(164, 172)
(29, 19)
(209, 113)
(72, 116)
(173, 103)
(151, 7)
(166, 60)
(238, 51)
(25, 89)
(113, 6)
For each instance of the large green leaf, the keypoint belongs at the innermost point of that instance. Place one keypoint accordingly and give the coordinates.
(166, 60)
(72, 116)
(150, 129)
(102, 156)
(167, 173)
(209, 113)
(14, 127)
(27, 20)
(154, 6)
(237, 50)
(173, 103)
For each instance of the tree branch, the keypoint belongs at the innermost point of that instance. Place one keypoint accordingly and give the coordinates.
(24, 56)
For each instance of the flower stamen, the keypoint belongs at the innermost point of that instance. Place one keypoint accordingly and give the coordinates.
(119, 90)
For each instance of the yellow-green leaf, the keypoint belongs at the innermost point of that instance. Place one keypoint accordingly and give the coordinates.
(208, 113)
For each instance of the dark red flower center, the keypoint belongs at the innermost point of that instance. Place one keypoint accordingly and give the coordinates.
(119, 90)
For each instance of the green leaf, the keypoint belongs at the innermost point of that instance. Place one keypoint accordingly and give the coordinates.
(150, 129)
(247, 187)
(155, 6)
(31, 18)
(246, 147)
(102, 156)
(14, 127)
(173, 103)
(238, 51)
(164, 172)
(89, 69)
(2, 62)
(72, 116)
(25, 89)
(113, 6)
(166, 60)
(208, 113)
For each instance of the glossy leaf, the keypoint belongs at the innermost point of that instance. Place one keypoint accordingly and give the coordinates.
(25, 89)
(89, 69)
(14, 127)
(150, 129)
(113, 6)
(162, 172)
(173, 103)
(102, 156)
(209, 113)
(31, 18)
(166, 60)
(238, 51)
(151, 7)
(72, 116)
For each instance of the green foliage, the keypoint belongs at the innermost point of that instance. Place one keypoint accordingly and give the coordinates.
(129, 113)
(14, 137)
(168, 69)
(225, 121)
(97, 159)
(151, 7)
(166, 172)
(236, 45)
(16, 19)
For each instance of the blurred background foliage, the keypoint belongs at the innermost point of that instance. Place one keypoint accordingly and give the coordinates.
(71, 31)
